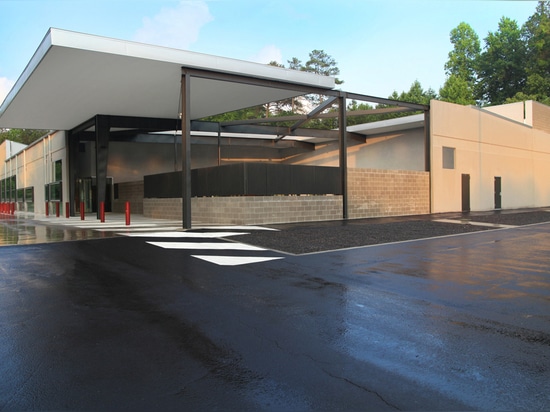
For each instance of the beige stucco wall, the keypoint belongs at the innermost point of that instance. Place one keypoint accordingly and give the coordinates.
(487, 145)
(34, 167)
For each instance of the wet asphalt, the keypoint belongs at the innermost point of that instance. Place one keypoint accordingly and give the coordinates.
(456, 320)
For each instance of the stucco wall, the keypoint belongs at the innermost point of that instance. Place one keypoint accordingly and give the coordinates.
(34, 167)
(402, 150)
(487, 146)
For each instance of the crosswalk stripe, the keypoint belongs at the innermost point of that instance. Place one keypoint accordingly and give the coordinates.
(197, 235)
(205, 245)
(234, 260)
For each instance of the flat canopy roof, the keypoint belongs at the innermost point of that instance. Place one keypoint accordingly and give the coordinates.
(73, 77)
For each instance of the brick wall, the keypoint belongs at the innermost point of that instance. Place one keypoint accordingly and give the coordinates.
(129, 192)
(371, 193)
(379, 193)
(249, 209)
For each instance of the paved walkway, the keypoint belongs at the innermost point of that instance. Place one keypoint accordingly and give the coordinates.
(295, 238)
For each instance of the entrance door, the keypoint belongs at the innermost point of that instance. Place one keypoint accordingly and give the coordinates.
(465, 193)
(498, 192)
(86, 192)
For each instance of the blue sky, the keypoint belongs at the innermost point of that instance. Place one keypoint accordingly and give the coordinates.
(380, 46)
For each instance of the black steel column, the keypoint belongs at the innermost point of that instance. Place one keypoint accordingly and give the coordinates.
(72, 143)
(427, 142)
(102, 129)
(186, 149)
(342, 127)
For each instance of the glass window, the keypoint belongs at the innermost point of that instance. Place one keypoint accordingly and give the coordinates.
(448, 157)
(58, 171)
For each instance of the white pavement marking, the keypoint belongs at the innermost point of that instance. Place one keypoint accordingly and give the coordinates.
(468, 222)
(234, 228)
(196, 235)
(234, 260)
(205, 245)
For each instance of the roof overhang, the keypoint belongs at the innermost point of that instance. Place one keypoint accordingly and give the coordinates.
(389, 126)
(73, 77)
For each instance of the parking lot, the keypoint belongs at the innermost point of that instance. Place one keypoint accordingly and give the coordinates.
(452, 319)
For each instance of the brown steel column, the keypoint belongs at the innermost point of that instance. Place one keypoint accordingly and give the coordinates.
(186, 149)
(342, 127)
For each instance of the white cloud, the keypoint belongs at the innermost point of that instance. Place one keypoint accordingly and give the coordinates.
(176, 27)
(5, 87)
(268, 54)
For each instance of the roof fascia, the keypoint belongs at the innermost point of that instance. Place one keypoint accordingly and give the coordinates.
(31, 66)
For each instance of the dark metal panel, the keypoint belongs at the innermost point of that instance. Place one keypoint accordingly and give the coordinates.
(256, 179)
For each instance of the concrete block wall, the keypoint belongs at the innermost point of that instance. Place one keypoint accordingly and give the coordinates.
(379, 193)
(249, 209)
(129, 192)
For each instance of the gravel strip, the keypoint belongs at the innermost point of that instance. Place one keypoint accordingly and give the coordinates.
(303, 238)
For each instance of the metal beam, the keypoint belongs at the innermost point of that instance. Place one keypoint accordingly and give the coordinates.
(389, 102)
(342, 125)
(311, 115)
(186, 148)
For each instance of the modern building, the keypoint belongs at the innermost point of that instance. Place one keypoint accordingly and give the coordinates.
(128, 124)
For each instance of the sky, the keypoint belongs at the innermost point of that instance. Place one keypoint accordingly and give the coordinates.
(380, 46)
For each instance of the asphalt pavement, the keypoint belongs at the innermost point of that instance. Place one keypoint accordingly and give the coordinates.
(444, 313)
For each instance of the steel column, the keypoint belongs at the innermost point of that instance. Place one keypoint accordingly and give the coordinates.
(342, 126)
(72, 156)
(186, 148)
(427, 142)
(102, 128)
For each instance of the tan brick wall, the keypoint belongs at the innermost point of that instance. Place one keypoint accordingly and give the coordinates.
(371, 193)
(249, 209)
(129, 192)
(379, 193)
(541, 117)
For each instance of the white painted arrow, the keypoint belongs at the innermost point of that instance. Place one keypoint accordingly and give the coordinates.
(234, 260)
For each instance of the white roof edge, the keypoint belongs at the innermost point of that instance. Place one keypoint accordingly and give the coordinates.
(89, 42)
(399, 121)
(33, 63)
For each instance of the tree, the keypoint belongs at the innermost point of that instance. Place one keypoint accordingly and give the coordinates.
(461, 67)
(501, 70)
(25, 136)
(415, 94)
(465, 53)
(457, 90)
(321, 63)
(536, 36)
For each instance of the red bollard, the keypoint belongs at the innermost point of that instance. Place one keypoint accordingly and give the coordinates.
(102, 212)
(47, 209)
(67, 210)
(82, 211)
(127, 213)
(57, 207)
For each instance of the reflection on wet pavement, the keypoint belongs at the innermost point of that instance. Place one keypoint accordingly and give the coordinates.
(25, 229)
(22, 231)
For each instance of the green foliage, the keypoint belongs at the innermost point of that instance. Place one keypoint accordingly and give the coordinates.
(463, 57)
(457, 90)
(25, 136)
(514, 62)
(501, 67)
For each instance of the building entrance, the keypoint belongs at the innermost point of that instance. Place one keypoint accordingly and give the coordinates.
(86, 194)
